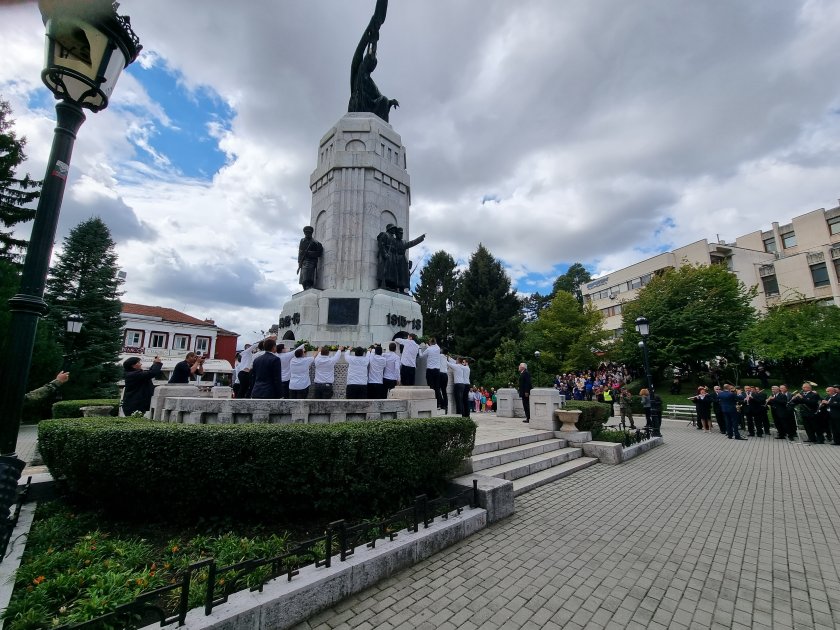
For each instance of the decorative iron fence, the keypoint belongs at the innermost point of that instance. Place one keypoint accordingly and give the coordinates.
(10, 525)
(170, 604)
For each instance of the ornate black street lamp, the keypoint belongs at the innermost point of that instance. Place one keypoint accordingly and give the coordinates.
(74, 327)
(87, 47)
(643, 328)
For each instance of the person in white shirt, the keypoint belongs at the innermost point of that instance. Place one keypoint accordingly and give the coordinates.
(432, 354)
(392, 368)
(457, 384)
(408, 360)
(285, 362)
(465, 371)
(325, 372)
(376, 372)
(299, 380)
(357, 373)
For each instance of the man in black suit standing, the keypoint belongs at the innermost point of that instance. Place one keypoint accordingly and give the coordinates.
(266, 373)
(810, 404)
(832, 403)
(525, 390)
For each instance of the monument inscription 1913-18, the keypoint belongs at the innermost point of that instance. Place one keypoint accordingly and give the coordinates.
(354, 258)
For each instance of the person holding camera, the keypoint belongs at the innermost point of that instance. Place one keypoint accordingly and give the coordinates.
(187, 370)
(139, 388)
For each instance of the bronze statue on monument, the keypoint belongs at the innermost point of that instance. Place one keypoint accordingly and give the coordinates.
(364, 94)
(309, 251)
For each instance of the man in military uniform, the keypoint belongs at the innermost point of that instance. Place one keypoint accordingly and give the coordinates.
(309, 251)
(50, 389)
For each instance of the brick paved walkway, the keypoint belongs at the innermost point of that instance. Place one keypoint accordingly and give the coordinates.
(703, 532)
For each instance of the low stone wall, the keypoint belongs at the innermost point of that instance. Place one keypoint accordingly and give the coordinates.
(613, 453)
(405, 402)
(509, 404)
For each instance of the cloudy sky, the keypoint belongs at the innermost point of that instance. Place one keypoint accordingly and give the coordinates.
(553, 132)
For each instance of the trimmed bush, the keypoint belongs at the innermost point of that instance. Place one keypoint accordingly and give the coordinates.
(72, 408)
(593, 415)
(339, 470)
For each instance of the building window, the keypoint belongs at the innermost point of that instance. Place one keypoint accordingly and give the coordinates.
(789, 240)
(635, 283)
(158, 340)
(819, 273)
(134, 338)
(837, 268)
(834, 225)
(202, 344)
(770, 245)
(181, 342)
(646, 279)
(771, 285)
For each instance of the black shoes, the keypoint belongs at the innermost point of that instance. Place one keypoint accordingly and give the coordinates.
(740, 438)
(526, 421)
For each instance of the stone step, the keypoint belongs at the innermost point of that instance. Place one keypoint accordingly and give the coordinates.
(531, 465)
(515, 453)
(537, 479)
(530, 438)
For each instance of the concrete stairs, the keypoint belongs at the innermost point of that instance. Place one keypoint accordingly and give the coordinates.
(529, 461)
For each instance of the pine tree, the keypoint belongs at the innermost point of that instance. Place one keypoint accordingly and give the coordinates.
(435, 293)
(15, 194)
(486, 311)
(84, 281)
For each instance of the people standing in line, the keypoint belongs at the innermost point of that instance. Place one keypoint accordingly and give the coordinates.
(285, 367)
(266, 373)
(139, 388)
(457, 384)
(525, 390)
(432, 354)
(703, 405)
(625, 407)
(357, 373)
(408, 359)
(809, 403)
(391, 375)
(376, 373)
(729, 398)
(832, 405)
(325, 373)
(299, 379)
(187, 369)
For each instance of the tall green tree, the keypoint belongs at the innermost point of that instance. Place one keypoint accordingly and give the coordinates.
(803, 340)
(571, 281)
(696, 313)
(16, 194)
(486, 311)
(435, 293)
(84, 280)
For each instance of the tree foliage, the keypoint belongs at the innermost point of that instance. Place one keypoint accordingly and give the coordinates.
(571, 281)
(84, 281)
(16, 194)
(486, 311)
(435, 293)
(696, 313)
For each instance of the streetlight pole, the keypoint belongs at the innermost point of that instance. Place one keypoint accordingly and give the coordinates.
(643, 328)
(87, 47)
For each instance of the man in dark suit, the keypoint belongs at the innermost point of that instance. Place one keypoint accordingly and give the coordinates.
(809, 402)
(778, 403)
(832, 403)
(525, 390)
(757, 412)
(266, 373)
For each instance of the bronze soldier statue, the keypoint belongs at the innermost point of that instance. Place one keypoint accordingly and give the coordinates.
(364, 94)
(403, 266)
(309, 251)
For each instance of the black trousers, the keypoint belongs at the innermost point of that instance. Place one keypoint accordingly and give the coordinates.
(323, 391)
(810, 423)
(432, 377)
(299, 394)
(755, 424)
(834, 423)
(389, 385)
(244, 384)
(407, 374)
(377, 391)
(356, 392)
(465, 401)
(526, 405)
(823, 425)
(720, 418)
(781, 422)
(284, 389)
(459, 398)
(443, 383)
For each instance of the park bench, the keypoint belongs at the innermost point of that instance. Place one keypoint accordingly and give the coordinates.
(682, 412)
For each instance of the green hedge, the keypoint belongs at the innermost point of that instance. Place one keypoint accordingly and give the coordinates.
(72, 408)
(347, 469)
(593, 415)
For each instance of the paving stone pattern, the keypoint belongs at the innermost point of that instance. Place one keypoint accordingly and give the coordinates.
(703, 532)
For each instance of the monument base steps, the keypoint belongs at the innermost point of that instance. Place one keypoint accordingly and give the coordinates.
(529, 461)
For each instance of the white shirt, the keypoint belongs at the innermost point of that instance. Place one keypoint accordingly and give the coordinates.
(299, 372)
(409, 352)
(246, 358)
(433, 354)
(376, 368)
(325, 368)
(285, 360)
(392, 366)
(457, 371)
(357, 373)
(466, 372)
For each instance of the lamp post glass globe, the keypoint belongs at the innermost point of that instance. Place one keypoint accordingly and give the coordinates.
(537, 354)
(642, 326)
(74, 323)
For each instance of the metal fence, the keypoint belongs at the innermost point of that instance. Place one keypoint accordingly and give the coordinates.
(339, 542)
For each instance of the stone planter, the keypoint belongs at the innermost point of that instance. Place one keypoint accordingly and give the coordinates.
(569, 418)
(96, 410)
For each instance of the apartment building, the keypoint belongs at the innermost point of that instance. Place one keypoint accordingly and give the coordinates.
(798, 261)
